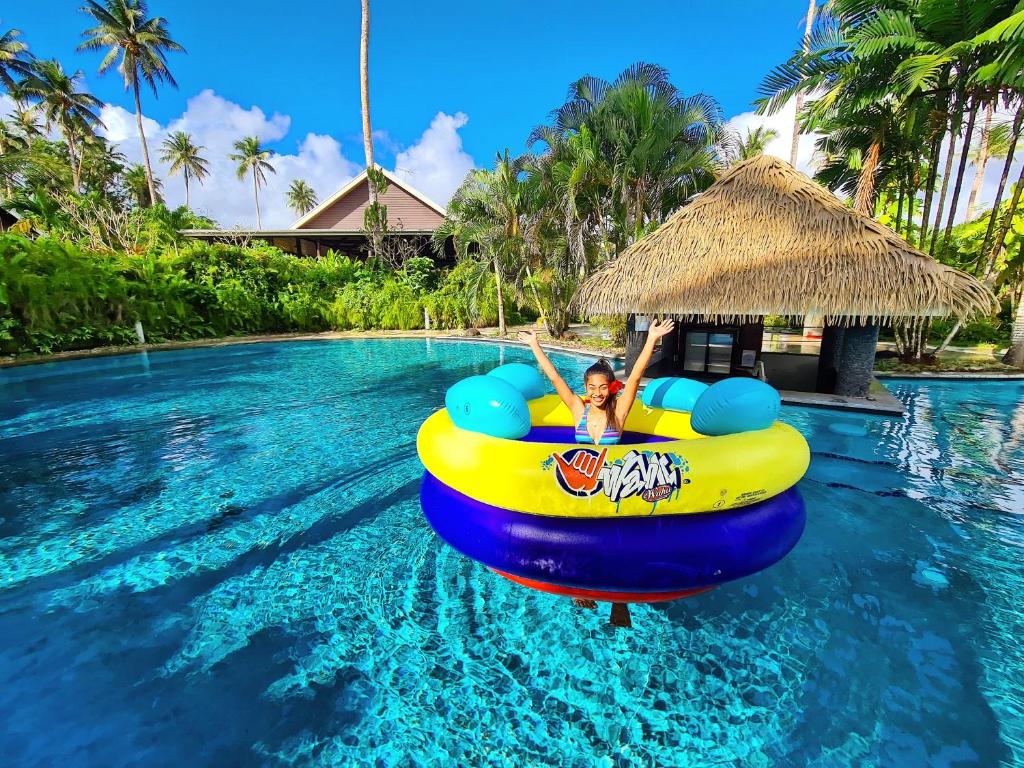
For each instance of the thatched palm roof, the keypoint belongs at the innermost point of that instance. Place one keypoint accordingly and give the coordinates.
(766, 240)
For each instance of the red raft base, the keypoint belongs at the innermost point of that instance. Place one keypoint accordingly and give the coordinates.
(600, 594)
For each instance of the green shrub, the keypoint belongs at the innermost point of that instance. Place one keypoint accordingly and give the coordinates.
(57, 296)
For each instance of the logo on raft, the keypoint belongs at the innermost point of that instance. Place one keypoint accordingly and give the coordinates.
(653, 476)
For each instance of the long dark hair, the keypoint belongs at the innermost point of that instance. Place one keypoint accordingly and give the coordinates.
(603, 368)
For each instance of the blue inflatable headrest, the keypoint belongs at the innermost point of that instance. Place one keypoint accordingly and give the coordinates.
(735, 405)
(489, 405)
(673, 393)
(523, 377)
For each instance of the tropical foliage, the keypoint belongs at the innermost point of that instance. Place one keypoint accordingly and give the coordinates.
(612, 163)
(57, 296)
(905, 93)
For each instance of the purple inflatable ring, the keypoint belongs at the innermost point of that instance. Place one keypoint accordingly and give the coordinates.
(662, 553)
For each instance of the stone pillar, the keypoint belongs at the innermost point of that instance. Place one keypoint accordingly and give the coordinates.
(830, 357)
(853, 377)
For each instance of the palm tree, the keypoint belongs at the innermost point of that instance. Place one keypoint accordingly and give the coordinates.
(184, 158)
(13, 58)
(251, 157)
(754, 143)
(301, 197)
(364, 84)
(142, 44)
(73, 111)
(994, 144)
(799, 102)
(138, 185)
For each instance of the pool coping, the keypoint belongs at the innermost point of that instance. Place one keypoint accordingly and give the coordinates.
(965, 375)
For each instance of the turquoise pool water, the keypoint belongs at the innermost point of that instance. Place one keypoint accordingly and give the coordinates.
(216, 557)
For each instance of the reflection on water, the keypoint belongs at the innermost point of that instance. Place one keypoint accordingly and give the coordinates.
(225, 557)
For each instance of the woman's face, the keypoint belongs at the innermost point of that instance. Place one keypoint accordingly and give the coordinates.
(597, 389)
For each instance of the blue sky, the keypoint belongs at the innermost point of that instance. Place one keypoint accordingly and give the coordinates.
(493, 70)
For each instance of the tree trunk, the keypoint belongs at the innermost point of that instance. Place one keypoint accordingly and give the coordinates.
(947, 171)
(1017, 121)
(959, 174)
(186, 188)
(979, 168)
(929, 186)
(256, 195)
(857, 360)
(997, 246)
(533, 288)
(899, 209)
(501, 299)
(76, 171)
(142, 138)
(864, 200)
(364, 86)
(1015, 353)
(799, 104)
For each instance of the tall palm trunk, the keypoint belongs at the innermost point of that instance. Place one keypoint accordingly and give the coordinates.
(947, 171)
(979, 170)
(1004, 228)
(501, 298)
(185, 175)
(364, 87)
(1018, 120)
(76, 168)
(795, 145)
(934, 152)
(142, 138)
(968, 133)
(256, 195)
(864, 200)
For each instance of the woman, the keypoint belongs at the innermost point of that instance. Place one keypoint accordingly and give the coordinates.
(599, 418)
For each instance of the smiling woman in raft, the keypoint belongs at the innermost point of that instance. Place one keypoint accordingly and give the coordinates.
(600, 416)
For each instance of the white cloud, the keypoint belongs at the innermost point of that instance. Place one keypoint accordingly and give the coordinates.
(436, 164)
(6, 105)
(216, 124)
(782, 123)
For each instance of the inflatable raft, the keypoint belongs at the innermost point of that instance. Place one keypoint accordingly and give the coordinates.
(682, 504)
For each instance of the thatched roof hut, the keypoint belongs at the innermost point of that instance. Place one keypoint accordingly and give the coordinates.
(767, 240)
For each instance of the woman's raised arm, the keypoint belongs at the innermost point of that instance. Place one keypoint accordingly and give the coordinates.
(572, 401)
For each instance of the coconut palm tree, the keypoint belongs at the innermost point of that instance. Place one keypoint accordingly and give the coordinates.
(993, 144)
(64, 106)
(253, 158)
(142, 43)
(14, 59)
(754, 143)
(137, 184)
(184, 158)
(301, 197)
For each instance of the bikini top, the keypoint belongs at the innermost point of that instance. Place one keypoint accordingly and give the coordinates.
(611, 436)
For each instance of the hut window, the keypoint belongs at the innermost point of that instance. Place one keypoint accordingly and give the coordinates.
(708, 352)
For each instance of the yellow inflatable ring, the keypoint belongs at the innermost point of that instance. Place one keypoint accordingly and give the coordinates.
(689, 473)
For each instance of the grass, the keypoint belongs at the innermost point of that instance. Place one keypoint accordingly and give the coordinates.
(958, 364)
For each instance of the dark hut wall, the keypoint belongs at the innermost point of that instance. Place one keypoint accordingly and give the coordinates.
(698, 341)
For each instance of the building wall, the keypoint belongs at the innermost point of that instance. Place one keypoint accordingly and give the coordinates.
(404, 211)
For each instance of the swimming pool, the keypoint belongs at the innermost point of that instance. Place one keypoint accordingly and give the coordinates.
(216, 557)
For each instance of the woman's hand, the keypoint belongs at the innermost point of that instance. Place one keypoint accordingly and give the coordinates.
(660, 328)
(529, 338)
